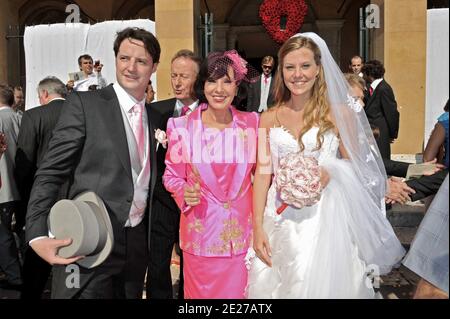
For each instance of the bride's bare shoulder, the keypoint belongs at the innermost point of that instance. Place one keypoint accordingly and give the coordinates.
(268, 118)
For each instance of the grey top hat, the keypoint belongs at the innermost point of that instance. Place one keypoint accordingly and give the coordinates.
(85, 220)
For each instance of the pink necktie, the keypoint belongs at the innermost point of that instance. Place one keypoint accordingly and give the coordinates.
(138, 129)
(185, 110)
(266, 79)
(371, 91)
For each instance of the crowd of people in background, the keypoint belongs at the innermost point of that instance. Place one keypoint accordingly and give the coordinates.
(220, 216)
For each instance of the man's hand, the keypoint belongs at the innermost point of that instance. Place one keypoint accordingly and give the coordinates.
(47, 249)
(98, 68)
(70, 85)
(438, 167)
(399, 191)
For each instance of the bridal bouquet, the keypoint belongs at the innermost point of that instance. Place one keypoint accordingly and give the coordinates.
(298, 181)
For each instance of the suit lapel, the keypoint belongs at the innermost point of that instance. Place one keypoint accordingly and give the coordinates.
(153, 160)
(114, 123)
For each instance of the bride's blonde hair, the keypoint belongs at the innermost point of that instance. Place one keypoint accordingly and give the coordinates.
(317, 109)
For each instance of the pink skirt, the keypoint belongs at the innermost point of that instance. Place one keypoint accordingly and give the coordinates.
(214, 277)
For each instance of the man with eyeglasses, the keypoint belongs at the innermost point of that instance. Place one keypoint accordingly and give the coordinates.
(260, 94)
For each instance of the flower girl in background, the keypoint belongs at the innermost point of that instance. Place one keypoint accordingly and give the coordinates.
(319, 222)
(211, 156)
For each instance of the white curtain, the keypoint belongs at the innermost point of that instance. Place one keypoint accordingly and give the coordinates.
(54, 50)
(437, 67)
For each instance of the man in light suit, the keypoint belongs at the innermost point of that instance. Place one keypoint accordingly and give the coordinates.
(381, 107)
(9, 194)
(166, 215)
(105, 140)
(260, 94)
(35, 132)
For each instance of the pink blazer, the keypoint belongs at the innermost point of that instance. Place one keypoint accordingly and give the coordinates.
(221, 224)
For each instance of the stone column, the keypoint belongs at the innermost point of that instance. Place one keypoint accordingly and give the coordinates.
(176, 29)
(405, 32)
(330, 31)
(8, 16)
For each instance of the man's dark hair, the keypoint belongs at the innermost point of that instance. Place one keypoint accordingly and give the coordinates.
(53, 85)
(446, 107)
(84, 56)
(374, 69)
(151, 44)
(6, 95)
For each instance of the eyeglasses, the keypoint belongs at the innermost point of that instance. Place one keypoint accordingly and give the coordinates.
(267, 67)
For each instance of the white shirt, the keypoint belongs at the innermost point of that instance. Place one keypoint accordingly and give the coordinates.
(141, 175)
(92, 79)
(265, 88)
(179, 106)
(375, 83)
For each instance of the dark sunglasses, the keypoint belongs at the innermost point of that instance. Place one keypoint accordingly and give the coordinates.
(267, 67)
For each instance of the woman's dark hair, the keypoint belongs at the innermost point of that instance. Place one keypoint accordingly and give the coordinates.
(215, 66)
(446, 107)
(150, 42)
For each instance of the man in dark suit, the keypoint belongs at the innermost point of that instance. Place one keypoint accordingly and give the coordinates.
(380, 106)
(34, 135)
(260, 94)
(166, 215)
(105, 140)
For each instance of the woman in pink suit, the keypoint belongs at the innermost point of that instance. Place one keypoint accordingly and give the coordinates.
(209, 163)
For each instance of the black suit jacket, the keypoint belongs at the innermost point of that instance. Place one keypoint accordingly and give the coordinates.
(89, 142)
(162, 110)
(427, 185)
(395, 168)
(254, 95)
(381, 111)
(35, 132)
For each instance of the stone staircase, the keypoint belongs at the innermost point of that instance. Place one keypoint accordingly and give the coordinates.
(405, 219)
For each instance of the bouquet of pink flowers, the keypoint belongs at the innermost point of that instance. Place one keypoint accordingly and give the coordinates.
(298, 181)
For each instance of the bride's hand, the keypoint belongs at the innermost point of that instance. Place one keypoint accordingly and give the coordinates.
(324, 177)
(262, 247)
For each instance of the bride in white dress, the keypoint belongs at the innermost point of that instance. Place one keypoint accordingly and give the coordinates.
(337, 247)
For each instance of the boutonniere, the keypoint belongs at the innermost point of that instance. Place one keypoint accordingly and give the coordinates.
(161, 138)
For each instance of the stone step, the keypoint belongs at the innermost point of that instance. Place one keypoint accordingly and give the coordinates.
(405, 215)
(405, 235)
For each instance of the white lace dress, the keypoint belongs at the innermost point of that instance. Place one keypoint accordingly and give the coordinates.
(325, 250)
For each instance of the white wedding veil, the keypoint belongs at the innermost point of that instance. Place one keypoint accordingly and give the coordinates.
(353, 126)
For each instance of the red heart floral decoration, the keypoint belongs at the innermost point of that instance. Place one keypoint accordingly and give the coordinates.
(271, 13)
